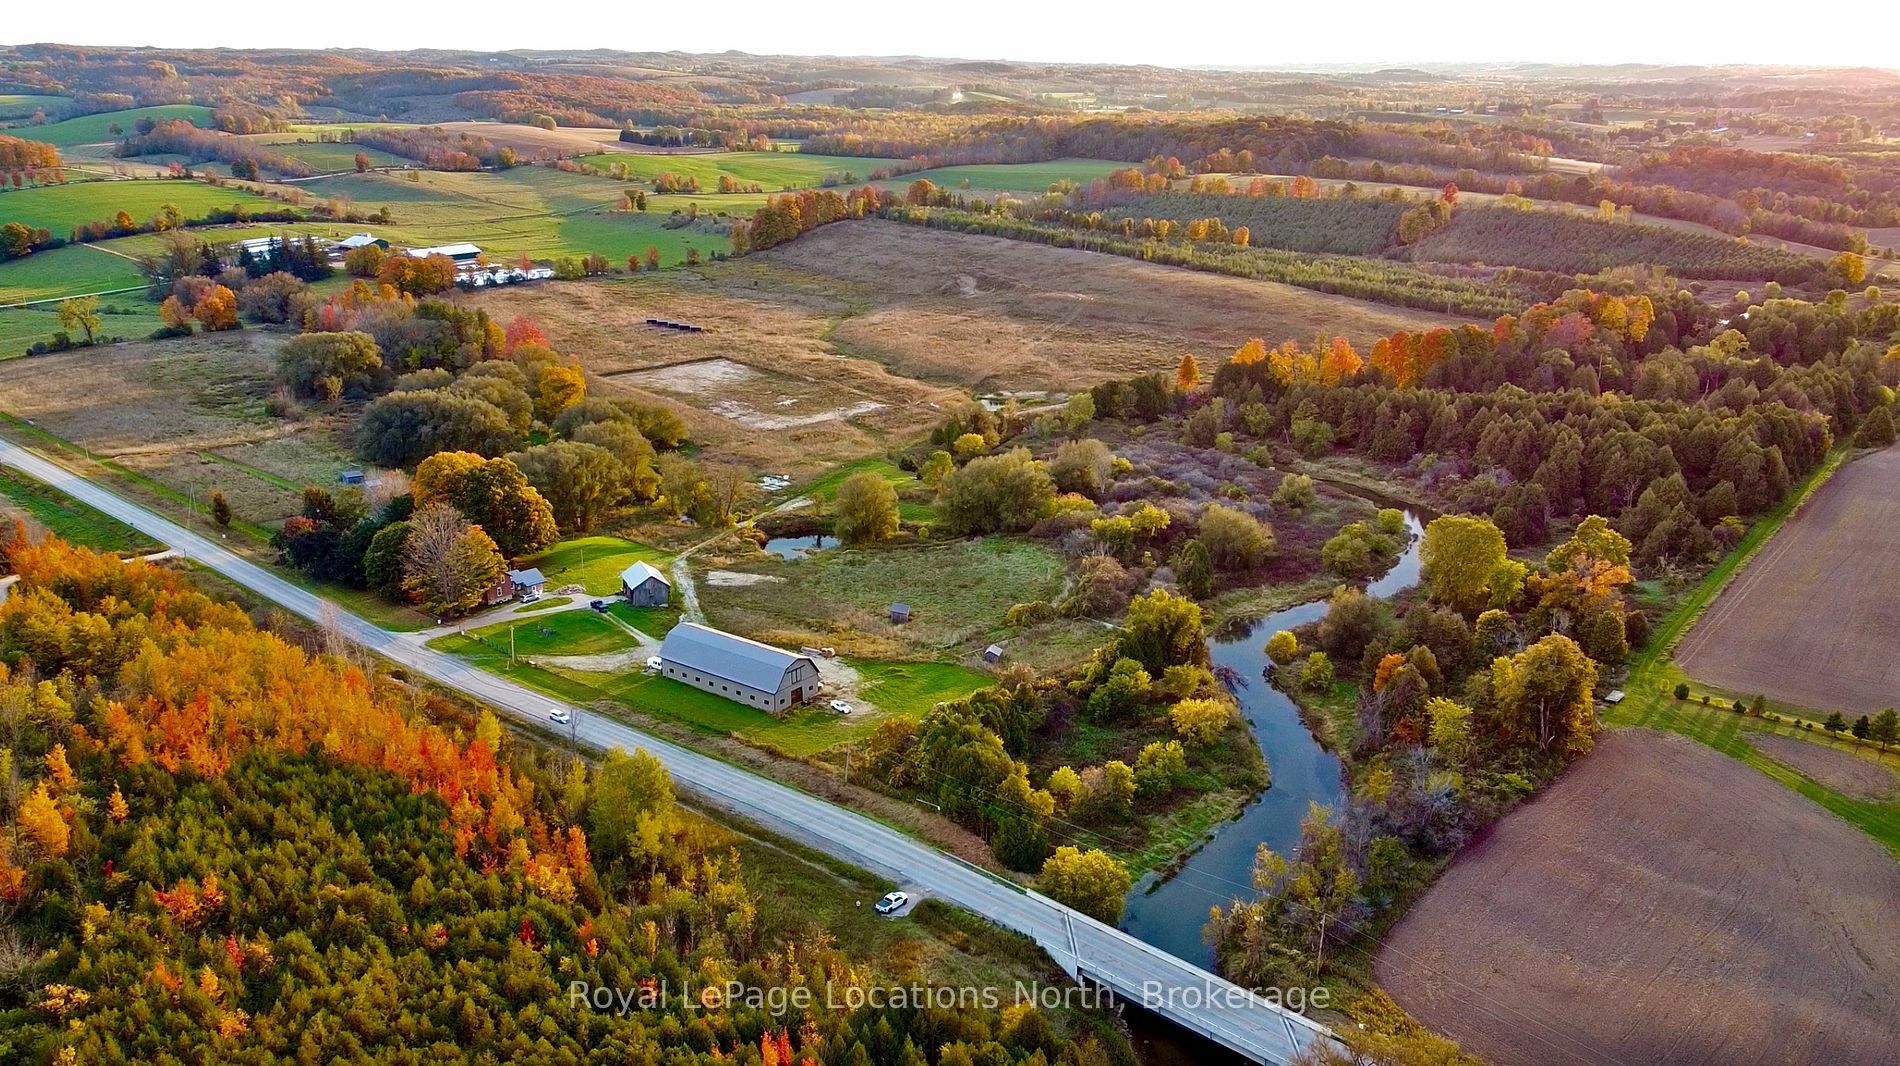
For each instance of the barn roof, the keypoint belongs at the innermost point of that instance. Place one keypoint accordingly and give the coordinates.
(723, 655)
(640, 573)
(530, 576)
(453, 251)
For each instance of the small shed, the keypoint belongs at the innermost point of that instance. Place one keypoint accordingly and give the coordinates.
(351, 477)
(527, 582)
(993, 654)
(644, 586)
(900, 613)
(1614, 697)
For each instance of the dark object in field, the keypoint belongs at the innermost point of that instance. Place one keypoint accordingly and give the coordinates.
(681, 326)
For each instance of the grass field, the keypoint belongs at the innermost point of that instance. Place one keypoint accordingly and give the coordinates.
(561, 633)
(774, 171)
(22, 105)
(825, 488)
(594, 563)
(914, 688)
(958, 593)
(62, 272)
(1016, 177)
(21, 327)
(93, 129)
(68, 519)
(62, 207)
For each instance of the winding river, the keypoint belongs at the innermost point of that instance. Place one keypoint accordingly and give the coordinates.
(1170, 912)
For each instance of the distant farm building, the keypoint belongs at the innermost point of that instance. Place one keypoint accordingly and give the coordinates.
(527, 582)
(361, 240)
(993, 654)
(900, 613)
(463, 254)
(683, 327)
(743, 671)
(644, 586)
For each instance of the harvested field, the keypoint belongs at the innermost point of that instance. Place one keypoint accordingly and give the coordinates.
(1837, 768)
(1802, 623)
(1661, 903)
(762, 384)
(996, 314)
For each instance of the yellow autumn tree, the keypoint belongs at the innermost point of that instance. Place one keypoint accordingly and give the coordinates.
(1188, 374)
(40, 820)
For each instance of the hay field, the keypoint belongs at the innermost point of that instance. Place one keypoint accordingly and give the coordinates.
(995, 314)
(187, 414)
(1662, 904)
(1803, 623)
(62, 207)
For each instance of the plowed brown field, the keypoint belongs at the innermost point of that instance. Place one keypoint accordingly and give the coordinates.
(1661, 903)
(1813, 619)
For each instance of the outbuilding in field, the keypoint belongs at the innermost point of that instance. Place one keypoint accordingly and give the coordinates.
(644, 586)
(900, 613)
(361, 240)
(993, 654)
(743, 671)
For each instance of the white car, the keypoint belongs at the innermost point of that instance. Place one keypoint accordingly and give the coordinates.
(530, 597)
(841, 706)
(892, 903)
(559, 716)
(653, 665)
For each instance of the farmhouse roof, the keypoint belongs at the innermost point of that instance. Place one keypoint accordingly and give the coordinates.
(453, 251)
(724, 655)
(530, 576)
(356, 241)
(640, 573)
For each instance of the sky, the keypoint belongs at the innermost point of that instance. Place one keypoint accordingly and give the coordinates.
(1232, 33)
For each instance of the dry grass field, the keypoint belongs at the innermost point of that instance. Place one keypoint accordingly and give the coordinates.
(995, 314)
(186, 413)
(1803, 623)
(1662, 904)
(762, 385)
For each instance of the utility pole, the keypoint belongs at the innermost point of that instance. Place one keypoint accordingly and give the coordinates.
(1319, 958)
(511, 646)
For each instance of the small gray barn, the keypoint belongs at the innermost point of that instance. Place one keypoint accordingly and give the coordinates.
(993, 654)
(644, 586)
(900, 613)
(743, 671)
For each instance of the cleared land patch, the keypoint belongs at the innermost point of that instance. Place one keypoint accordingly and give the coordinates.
(992, 314)
(1803, 623)
(71, 271)
(764, 343)
(1841, 770)
(1661, 903)
(1016, 177)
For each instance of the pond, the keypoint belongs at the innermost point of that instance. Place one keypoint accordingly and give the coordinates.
(799, 547)
(1170, 912)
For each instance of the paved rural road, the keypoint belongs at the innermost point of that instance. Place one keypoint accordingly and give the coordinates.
(1175, 989)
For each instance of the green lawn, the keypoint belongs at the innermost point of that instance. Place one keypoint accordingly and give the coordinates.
(22, 106)
(914, 688)
(774, 171)
(68, 271)
(1016, 177)
(93, 129)
(546, 604)
(70, 520)
(20, 327)
(62, 207)
(594, 563)
(655, 622)
(562, 633)
(326, 156)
